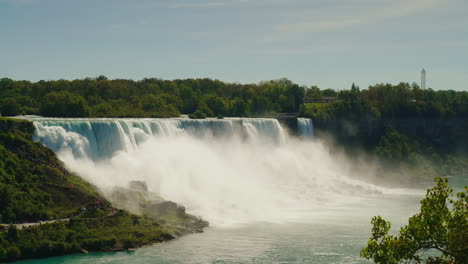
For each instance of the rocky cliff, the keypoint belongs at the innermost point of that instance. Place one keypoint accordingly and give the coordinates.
(445, 134)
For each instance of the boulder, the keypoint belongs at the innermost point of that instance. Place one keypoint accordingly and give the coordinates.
(163, 208)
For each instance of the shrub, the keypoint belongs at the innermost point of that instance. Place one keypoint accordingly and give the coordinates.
(12, 233)
(13, 253)
(198, 115)
(3, 254)
(441, 226)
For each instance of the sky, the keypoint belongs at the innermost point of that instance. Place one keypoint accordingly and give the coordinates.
(328, 43)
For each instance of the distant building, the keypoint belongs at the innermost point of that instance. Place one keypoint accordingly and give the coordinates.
(423, 79)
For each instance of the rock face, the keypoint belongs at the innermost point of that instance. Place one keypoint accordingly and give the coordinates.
(134, 198)
(446, 134)
(162, 208)
(138, 186)
(137, 199)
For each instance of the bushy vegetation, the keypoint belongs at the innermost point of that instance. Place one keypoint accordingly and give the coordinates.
(388, 101)
(396, 147)
(100, 97)
(437, 234)
(33, 183)
(118, 231)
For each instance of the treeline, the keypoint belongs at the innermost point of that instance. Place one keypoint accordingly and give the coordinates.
(386, 101)
(101, 97)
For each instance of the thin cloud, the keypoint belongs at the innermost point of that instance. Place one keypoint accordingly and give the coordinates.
(198, 4)
(316, 25)
(363, 13)
(338, 47)
(205, 4)
(20, 2)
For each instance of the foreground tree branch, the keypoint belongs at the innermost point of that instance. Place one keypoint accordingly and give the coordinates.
(441, 229)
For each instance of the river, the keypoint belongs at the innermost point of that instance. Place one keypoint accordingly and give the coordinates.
(334, 236)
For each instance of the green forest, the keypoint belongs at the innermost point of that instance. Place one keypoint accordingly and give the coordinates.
(100, 97)
(385, 101)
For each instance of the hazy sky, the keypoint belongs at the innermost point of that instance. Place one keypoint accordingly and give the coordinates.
(329, 43)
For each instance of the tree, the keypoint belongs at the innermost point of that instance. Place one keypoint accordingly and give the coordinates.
(329, 93)
(157, 106)
(239, 107)
(260, 104)
(295, 94)
(394, 146)
(9, 107)
(441, 229)
(101, 78)
(216, 104)
(12, 233)
(65, 104)
(198, 115)
(189, 99)
(314, 93)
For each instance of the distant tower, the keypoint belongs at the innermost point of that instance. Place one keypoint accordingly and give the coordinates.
(423, 79)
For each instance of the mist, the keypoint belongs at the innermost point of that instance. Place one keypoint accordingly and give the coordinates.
(225, 178)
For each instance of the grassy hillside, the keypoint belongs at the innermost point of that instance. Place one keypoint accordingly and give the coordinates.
(33, 183)
(35, 186)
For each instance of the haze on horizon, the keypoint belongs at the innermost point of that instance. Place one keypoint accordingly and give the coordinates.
(328, 43)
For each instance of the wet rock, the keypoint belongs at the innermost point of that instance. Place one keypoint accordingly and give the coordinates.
(139, 186)
(163, 208)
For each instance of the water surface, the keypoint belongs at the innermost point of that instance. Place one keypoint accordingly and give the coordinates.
(334, 236)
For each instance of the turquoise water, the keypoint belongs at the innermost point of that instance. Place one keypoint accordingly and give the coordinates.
(253, 244)
(335, 236)
(331, 236)
(458, 182)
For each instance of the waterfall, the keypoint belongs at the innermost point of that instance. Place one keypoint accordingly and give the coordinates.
(232, 170)
(305, 127)
(98, 138)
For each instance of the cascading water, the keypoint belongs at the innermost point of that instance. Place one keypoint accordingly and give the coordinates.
(305, 127)
(101, 138)
(229, 170)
